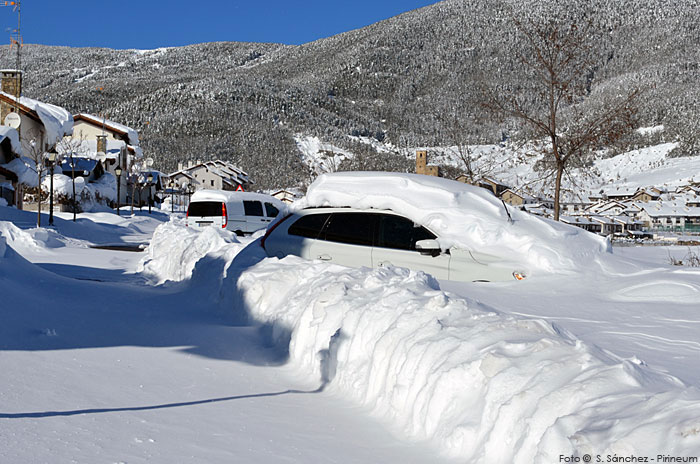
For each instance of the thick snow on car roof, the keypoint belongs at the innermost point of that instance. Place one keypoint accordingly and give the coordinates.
(464, 216)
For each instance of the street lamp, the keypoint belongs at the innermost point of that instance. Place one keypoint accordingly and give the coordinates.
(150, 180)
(171, 184)
(52, 163)
(118, 172)
(190, 191)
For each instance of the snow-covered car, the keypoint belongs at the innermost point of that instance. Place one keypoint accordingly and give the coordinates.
(378, 238)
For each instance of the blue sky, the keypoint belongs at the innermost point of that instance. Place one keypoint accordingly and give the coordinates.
(147, 24)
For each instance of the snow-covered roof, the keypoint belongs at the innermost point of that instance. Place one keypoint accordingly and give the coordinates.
(10, 133)
(132, 134)
(57, 121)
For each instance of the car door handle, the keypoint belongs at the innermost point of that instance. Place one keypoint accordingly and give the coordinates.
(385, 264)
(324, 257)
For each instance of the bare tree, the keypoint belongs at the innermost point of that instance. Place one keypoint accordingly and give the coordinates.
(559, 61)
(37, 154)
(69, 148)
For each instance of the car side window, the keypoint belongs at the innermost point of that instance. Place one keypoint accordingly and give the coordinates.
(252, 208)
(351, 228)
(309, 226)
(400, 233)
(271, 210)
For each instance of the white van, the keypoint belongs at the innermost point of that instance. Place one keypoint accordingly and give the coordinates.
(241, 212)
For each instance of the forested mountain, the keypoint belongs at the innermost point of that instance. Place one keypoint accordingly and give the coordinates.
(411, 80)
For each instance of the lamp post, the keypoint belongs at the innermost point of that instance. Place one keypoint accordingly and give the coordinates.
(190, 191)
(172, 196)
(52, 163)
(150, 180)
(118, 172)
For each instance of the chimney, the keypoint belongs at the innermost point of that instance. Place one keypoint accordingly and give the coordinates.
(11, 84)
(179, 166)
(189, 164)
(102, 144)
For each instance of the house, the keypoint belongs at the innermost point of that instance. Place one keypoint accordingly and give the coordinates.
(39, 126)
(646, 196)
(514, 198)
(582, 222)
(115, 145)
(492, 185)
(214, 175)
(285, 196)
(670, 214)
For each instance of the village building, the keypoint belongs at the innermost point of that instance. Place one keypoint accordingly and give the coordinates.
(213, 175)
(38, 126)
(422, 166)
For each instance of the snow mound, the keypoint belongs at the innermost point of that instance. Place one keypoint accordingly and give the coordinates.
(482, 386)
(175, 249)
(464, 216)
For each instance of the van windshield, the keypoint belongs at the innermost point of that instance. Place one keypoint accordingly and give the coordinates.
(205, 208)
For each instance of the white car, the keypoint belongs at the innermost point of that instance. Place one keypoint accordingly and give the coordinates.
(241, 212)
(376, 238)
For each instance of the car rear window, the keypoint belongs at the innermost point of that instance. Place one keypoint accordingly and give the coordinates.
(309, 226)
(205, 208)
(253, 208)
(351, 228)
(400, 233)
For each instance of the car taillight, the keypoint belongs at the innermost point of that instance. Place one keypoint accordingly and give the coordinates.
(519, 275)
(223, 213)
(271, 228)
(187, 215)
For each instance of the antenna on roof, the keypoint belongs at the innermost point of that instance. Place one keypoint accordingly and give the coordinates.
(16, 39)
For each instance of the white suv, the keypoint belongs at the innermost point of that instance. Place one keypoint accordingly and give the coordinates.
(377, 238)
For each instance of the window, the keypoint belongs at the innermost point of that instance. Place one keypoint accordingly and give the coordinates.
(253, 208)
(400, 233)
(270, 210)
(351, 228)
(205, 208)
(309, 226)
(212, 182)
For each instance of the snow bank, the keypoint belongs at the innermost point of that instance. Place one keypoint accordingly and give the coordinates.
(482, 386)
(175, 249)
(464, 216)
(33, 240)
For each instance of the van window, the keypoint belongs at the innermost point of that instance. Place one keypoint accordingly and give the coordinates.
(309, 226)
(253, 208)
(351, 228)
(271, 210)
(205, 208)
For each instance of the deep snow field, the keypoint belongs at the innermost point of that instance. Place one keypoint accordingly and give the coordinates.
(200, 349)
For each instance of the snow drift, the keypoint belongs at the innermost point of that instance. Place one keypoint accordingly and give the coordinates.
(464, 216)
(482, 386)
(175, 249)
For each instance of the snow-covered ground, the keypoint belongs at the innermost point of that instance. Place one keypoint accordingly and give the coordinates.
(200, 349)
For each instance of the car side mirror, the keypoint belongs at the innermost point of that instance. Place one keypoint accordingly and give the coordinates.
(428, 247)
